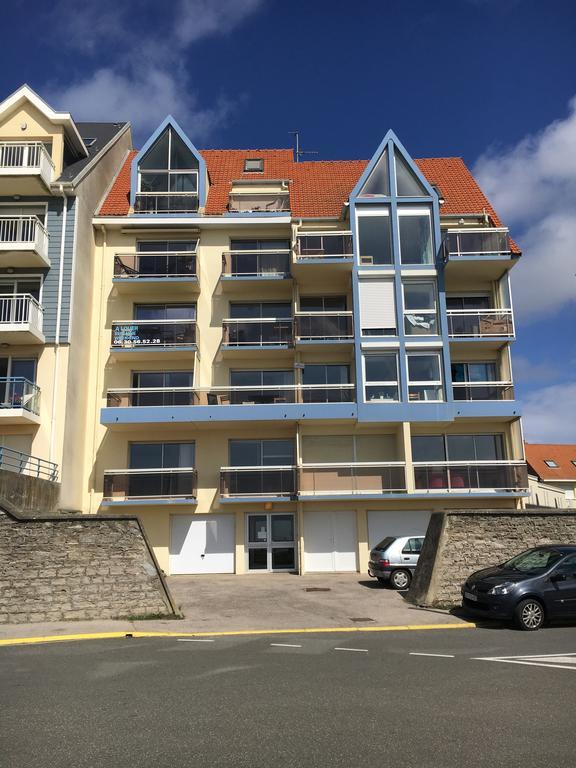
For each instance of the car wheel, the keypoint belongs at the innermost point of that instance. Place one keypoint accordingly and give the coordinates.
(382, 580)
(529, 614)
(400, 579)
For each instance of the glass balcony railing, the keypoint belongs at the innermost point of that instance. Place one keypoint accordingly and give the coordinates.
(476, 242)
(477, 323)
(166, 202)
(259, 202)
(259, 332)
(465, 476)
(150, 483)
(323, 326)
(17, 392)
(128, 334)
(265, 395)
(265, 264)
(483, 390)
(324, 246)
(258, 481)
(353, 479)
(134, 266)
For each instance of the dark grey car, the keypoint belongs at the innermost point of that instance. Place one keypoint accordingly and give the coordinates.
(535, 586)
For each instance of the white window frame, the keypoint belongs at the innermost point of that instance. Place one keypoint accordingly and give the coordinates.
(17, 277)
(367, 383)
(425, 312)
(169, 172)
(430, 383)
(421, 210)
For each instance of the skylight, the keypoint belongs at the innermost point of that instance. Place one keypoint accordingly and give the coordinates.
(89, 141)
(254, 165)
(550, 463)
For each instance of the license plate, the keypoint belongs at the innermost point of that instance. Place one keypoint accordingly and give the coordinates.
(470, 596)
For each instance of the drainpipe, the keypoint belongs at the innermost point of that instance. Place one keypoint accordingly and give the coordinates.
(58, 322)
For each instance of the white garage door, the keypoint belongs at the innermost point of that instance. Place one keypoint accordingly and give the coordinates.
(202, 544)
(330, 541)
(408, 523)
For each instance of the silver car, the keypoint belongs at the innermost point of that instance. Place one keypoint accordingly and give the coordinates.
(394, 560)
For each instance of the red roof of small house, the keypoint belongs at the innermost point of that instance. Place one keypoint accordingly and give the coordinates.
(318, 188)
(563, 455)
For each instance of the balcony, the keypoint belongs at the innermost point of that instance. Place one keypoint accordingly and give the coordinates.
(145, 486)
(21, 318)
(483, 254)
(19, 401)
(176, 269)
(23, 242)
(358, 479)
(483, 390)
(464, 477)
(24, 464)
(145, 339)
(323, 327)
(259, 202)
(258, 482)
(166, 203)
(494, 325)
(255, 266)
(266, 333)
(26, 168)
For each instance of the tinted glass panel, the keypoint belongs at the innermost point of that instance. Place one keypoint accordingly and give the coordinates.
(257, 529)
(282, 527)
(154, 182)
(258, 559)
(419, 296)
(381, 368)
(145, 455)
(375, 239)
(157, 156)
(415, 239)
(180, 155)
(428, 448)
(378, 183)
(407, 185)
(283, 558)
(424, 367)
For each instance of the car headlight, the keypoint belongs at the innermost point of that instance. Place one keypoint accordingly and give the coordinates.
(502, 589)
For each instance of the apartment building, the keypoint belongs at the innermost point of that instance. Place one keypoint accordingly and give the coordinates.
(296, 359)
(53, 174)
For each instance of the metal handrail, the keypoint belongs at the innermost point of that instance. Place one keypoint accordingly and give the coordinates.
(325, 313)
(20, 308)
(13, 227)
(20, 392)
(148, 471)
(24, 463)
(267, 468)
(257, 320)
(153, 322)
(18, 148)
(347, 464)
(505, 311)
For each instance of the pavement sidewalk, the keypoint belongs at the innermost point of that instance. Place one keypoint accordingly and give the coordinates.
(262, 603)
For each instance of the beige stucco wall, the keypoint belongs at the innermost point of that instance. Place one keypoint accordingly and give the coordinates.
(37, 128)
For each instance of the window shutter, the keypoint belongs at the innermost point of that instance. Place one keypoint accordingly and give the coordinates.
(377, 304)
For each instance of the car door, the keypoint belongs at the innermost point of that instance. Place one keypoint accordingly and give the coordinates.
(411, 551)
(560, 589)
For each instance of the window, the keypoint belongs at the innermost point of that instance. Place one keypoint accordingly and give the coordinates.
(407, 185)
(428, 448)
(166, 246)
(18, 286)
(551, 463)
(375, 238)
(164, 311)
(174, 382)
(261, 387)
(21, 233)
(478, 301)
(420, 308)
(381, 377)
(415, 236)
(573, 462)
(261, 453)
(323, 304)
(17, 375)
(377, 308)
(253, 165)
(168, 168)
(272, 309)
(321, 383)
(161, 455)
(259, 245)
(425, 377)
(467, 379)
(378, 183)
(413, 546)
(439, 448)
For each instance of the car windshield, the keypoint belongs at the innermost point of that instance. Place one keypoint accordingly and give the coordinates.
(384, 544)
(533, 560)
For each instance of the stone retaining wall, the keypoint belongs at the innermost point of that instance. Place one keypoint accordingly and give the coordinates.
(461, 542)
(68, 567)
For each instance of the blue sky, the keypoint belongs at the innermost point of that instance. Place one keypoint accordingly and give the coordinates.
(489, 80)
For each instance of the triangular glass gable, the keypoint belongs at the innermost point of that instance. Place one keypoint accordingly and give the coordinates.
(407, 185)
(157, 156)
(378, 183)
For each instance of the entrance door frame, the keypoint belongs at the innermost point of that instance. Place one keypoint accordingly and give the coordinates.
(270, 545)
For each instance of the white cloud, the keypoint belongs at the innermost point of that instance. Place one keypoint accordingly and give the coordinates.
(145, 78)
(533, 187)
(548, 414)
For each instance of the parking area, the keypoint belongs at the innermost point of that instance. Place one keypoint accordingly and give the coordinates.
(286, 601)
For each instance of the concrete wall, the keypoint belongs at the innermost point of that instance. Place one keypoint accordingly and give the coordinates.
(62, 568)
(28, 494)
(461, 542)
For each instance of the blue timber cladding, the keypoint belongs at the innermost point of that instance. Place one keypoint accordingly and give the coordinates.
(50, 287)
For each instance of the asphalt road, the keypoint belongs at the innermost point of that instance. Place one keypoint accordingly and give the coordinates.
(246, 702)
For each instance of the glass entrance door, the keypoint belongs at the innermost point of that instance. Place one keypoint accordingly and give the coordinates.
(271, 542)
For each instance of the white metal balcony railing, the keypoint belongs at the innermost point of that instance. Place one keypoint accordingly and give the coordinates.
(352, 478)
(263, 263)
(477, 323)
(470, 476)
(23, 231)
(26, 155)
(164, 397)
(128, 334)
(171, 483)
(476, 242)
(20, 309)
(323, 326)
(483, 390)
(23, 463)
(18, 392)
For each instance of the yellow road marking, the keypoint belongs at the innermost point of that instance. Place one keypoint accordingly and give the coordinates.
(231, 633)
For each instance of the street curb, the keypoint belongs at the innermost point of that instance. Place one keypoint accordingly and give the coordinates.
(232, 633)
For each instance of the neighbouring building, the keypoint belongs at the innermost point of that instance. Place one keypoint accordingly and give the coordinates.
(552, 474)
(293, 360)
(53, 174)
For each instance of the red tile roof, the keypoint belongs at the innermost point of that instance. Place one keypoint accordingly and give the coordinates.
(317, 188)
(563, 455)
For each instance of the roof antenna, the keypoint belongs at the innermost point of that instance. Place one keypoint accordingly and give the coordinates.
(298, 153)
